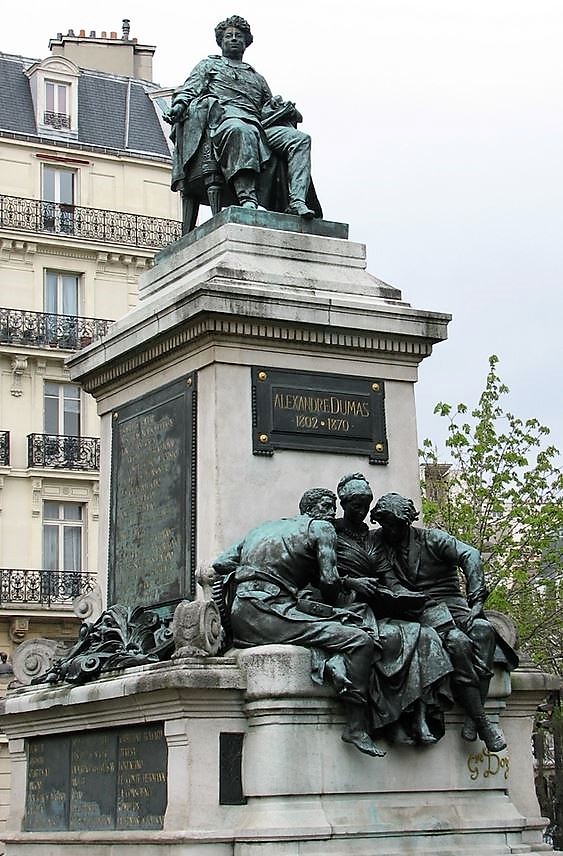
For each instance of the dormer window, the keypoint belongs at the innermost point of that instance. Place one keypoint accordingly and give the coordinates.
(57, 105)
(54, 89)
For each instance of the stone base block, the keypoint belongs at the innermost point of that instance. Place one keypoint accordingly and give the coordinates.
(303, 792)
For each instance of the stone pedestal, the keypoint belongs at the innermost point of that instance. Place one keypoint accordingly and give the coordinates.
(304, 790)
(269, 291)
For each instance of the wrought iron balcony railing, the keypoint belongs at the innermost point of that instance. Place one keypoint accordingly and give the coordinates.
(4, 448)
(94, 224)
(59, 452)
(43, 587)
(45, 329)
(59, 121)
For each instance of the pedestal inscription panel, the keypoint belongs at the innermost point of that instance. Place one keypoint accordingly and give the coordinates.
(93, 779)
(48, 775)
(152, 513)
(110, 779)
(318, 412)
(141, 778)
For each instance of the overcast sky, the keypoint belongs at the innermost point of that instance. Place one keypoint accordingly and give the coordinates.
(437, 132)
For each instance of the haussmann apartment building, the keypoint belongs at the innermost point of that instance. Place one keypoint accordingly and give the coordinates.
(85, 203)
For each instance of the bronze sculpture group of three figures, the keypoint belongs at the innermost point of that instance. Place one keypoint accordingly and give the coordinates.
(381, 609)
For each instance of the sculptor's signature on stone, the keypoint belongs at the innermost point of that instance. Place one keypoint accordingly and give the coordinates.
(487, 764)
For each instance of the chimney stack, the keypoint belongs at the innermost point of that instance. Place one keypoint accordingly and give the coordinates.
(106, 52)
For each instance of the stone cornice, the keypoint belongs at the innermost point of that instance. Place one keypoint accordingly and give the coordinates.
(60, 245)
(73, 145)
(224, 329)
(301, 292)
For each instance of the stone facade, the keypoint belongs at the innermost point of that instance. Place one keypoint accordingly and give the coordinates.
(75, 187)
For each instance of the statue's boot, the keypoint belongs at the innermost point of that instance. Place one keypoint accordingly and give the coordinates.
(491, 734)
(355, 732)
(301, 209)
(244, 183)
(469, 729)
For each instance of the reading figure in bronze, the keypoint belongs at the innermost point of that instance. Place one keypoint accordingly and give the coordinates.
(428, 561)
(266, 574)
(410, 682)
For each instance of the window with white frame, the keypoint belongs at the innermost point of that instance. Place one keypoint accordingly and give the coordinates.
(61, 409)
(57, 105)
(60, 303)
(63, 536)
(59, 195)
(61, 293)
(59, 185)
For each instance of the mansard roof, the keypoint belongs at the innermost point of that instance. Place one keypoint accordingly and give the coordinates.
(16, 105)
(114, 112)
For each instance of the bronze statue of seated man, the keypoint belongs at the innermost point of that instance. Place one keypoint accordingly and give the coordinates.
(249, 130)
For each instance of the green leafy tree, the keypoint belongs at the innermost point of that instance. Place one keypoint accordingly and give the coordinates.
(500, 489)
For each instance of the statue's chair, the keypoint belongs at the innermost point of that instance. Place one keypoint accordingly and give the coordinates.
(204, 184)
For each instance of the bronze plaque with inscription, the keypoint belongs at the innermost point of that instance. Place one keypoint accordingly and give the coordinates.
(141, 778)
(152, 511)
(93, 777)
(318, 412)
(107, 779)
(48, 776)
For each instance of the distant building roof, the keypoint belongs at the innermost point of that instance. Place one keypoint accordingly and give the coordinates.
(114, 112)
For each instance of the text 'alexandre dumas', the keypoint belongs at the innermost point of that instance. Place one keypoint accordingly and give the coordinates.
(328, 412)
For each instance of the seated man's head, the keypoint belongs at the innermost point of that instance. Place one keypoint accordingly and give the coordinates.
(233, 36)
(394, 513)
(355, 498)
(318, 503)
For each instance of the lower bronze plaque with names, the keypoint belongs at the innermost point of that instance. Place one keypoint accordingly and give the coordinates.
(107, 779)
(141, 778)
(320, 412)
(48, 777)
(152, 501)
(93, 780)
